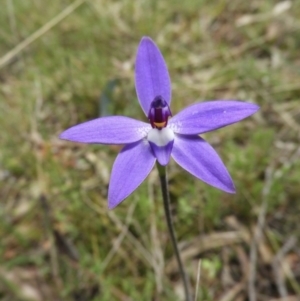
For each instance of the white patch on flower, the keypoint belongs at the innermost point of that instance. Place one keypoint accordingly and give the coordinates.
(144, 130)
(176, 126)
(160, 137)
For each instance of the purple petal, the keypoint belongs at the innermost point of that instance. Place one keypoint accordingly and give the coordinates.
(151, 74)
(130, 169)
(162, 153)
(207, 116)
(107, 130)
(197, 157)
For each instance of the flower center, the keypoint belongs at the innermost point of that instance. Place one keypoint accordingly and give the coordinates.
(159, 113)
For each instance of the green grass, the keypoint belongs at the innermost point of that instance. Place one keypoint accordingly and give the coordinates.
(84, 67)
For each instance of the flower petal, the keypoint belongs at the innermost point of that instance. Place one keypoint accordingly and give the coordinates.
(197, 157)
(207, 116)
(132, 166)
(161, 142)
(107, 130)
(151, 74)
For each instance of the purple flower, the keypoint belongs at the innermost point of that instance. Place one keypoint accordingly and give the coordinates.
(165, 136)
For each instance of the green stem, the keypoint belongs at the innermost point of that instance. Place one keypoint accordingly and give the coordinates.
(166, 198)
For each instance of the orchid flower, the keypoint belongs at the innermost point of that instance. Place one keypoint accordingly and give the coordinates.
(165, 135)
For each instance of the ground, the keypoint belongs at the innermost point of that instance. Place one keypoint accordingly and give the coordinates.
(72, 61)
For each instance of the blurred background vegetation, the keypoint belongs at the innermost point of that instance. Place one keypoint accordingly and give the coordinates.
(65, 62)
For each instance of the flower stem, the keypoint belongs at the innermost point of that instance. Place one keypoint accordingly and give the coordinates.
(166, 198)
